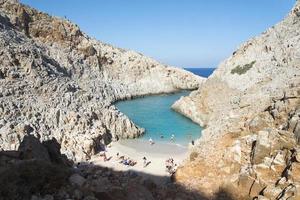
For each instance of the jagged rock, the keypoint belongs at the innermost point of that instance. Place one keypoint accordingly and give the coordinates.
(250, 184)
(295, 172)
(262, 147)
(297, 155)
(260, 197)
(255, 92)
(62, 84)
(272, 192)
(260, 122)
(58, 83)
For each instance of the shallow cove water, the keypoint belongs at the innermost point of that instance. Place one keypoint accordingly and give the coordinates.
(154, 113)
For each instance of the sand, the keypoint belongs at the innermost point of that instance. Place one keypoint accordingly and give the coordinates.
(136, 150)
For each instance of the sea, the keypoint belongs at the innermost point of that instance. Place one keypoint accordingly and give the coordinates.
(161, 123)
(205, 72)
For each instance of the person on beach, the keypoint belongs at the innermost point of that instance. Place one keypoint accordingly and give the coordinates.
(122, 158)
(132, 163)
(161, 136)
(170, 167)
(151, 141)
(126, 161)
(172, 137)
(104, 157)
(146, 163)
(103, 154)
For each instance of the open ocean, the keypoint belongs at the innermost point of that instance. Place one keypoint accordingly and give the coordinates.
(205, 72)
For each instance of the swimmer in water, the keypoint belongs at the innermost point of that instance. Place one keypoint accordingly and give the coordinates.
(172, 137)
(151, 141)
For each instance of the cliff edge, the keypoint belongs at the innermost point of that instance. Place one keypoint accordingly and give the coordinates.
(250, 109)
(55, 81)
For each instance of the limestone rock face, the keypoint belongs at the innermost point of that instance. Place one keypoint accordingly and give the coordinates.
(56, 82)
(250, 108)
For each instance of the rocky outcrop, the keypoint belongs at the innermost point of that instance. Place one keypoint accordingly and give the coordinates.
(250, 108)
(33, 173)
(56, 82)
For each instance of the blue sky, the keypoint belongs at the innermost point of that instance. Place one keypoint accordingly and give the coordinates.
(186, 33)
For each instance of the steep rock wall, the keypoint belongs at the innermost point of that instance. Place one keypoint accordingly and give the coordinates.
(55, 81)
(250, 107)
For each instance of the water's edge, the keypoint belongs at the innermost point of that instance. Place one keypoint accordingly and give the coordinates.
(204, 72)
(163, 119)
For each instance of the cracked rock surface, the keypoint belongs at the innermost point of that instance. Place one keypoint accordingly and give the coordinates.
(55, 81)
(250, 109)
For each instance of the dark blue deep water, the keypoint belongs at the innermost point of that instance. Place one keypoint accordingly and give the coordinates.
(205, 72)
(154, 113)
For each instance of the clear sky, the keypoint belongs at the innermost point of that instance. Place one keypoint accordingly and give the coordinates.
(183, 33)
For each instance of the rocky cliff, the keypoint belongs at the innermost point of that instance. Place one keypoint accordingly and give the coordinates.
(250, 109)
(38, 171)
(55, 81)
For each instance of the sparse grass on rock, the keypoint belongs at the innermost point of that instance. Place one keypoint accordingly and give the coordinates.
(242, 70)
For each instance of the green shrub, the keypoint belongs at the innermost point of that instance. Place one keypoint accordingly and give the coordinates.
(242, 70)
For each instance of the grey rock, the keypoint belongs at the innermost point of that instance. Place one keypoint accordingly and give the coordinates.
(61, 83)
(76, 180)
(255, 91)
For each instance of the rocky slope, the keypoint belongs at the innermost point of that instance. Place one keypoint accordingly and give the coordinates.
(55, 81)
(38, 171)
(250, 107)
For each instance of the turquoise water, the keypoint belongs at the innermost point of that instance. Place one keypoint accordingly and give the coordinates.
(154, 113)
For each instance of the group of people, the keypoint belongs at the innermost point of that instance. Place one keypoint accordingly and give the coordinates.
(151, 142)
(126, 161)
(171, 166)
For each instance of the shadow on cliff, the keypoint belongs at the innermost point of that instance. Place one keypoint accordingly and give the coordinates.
(40, 169)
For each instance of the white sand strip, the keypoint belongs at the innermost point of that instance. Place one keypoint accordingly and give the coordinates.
(136, 150)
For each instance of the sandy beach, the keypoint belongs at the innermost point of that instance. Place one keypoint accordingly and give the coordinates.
(136, 150)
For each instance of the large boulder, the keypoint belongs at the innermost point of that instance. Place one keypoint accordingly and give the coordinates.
(262, 147)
